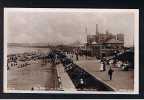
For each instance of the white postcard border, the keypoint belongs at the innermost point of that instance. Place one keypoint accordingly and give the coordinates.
(136, 48)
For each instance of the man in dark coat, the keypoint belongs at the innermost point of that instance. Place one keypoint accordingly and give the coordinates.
(110, 72)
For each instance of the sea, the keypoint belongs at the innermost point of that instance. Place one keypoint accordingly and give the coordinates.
(19, 49)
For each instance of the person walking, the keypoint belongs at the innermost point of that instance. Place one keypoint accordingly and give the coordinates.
(101, 67)
(86, 54)
(82, 80)
(119, 64)
(104, 66)
(77, 58)
(110, 73)
(81, 83)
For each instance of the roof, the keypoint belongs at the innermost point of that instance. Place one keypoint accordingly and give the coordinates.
(113, 41)
(94, 42)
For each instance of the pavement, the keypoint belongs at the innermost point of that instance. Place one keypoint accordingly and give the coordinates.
(81, 57)
(38, 76)
(66, 83)
(41, 76)
(122, 80)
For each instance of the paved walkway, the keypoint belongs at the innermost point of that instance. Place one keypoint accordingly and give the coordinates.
(81, 57)
(36, 76)
(122, 80)
(66, 82)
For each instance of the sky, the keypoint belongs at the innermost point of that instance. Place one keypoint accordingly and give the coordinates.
(64, 27)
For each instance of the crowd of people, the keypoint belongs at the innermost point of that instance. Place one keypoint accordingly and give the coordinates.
(24, 59)
(111, 64)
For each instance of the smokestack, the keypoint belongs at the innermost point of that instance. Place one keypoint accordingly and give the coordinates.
(97, 33)
(116, 37)
(96, 29)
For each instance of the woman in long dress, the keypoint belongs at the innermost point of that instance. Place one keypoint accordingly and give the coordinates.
(101, 67)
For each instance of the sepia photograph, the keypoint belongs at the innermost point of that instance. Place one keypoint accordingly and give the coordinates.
(64, 50)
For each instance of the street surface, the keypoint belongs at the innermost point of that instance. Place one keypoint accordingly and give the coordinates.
(122, 80)
(36, 76)
(71, 74)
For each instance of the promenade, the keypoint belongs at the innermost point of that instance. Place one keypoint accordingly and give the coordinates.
(42, 75)
(36, 76)
(122, 80)
(39, 76)
(65, 82)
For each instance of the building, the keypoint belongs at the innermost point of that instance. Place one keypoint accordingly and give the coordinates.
(112, 46)
(101, 45)
(100, 38)
(91, 38)
(120, 37)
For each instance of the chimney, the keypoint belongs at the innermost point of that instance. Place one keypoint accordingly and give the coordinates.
(97, 33)
(96, 29)
(116, 37)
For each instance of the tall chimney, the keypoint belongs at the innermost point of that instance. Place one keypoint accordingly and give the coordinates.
(86, 34)
(96, 29)
(97, 33)
(116, 37)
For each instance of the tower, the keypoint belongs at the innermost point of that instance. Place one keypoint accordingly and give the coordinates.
(86, 30)
(86, 34)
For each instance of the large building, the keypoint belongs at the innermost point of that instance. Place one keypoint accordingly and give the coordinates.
(104, 44)
(91, 38)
